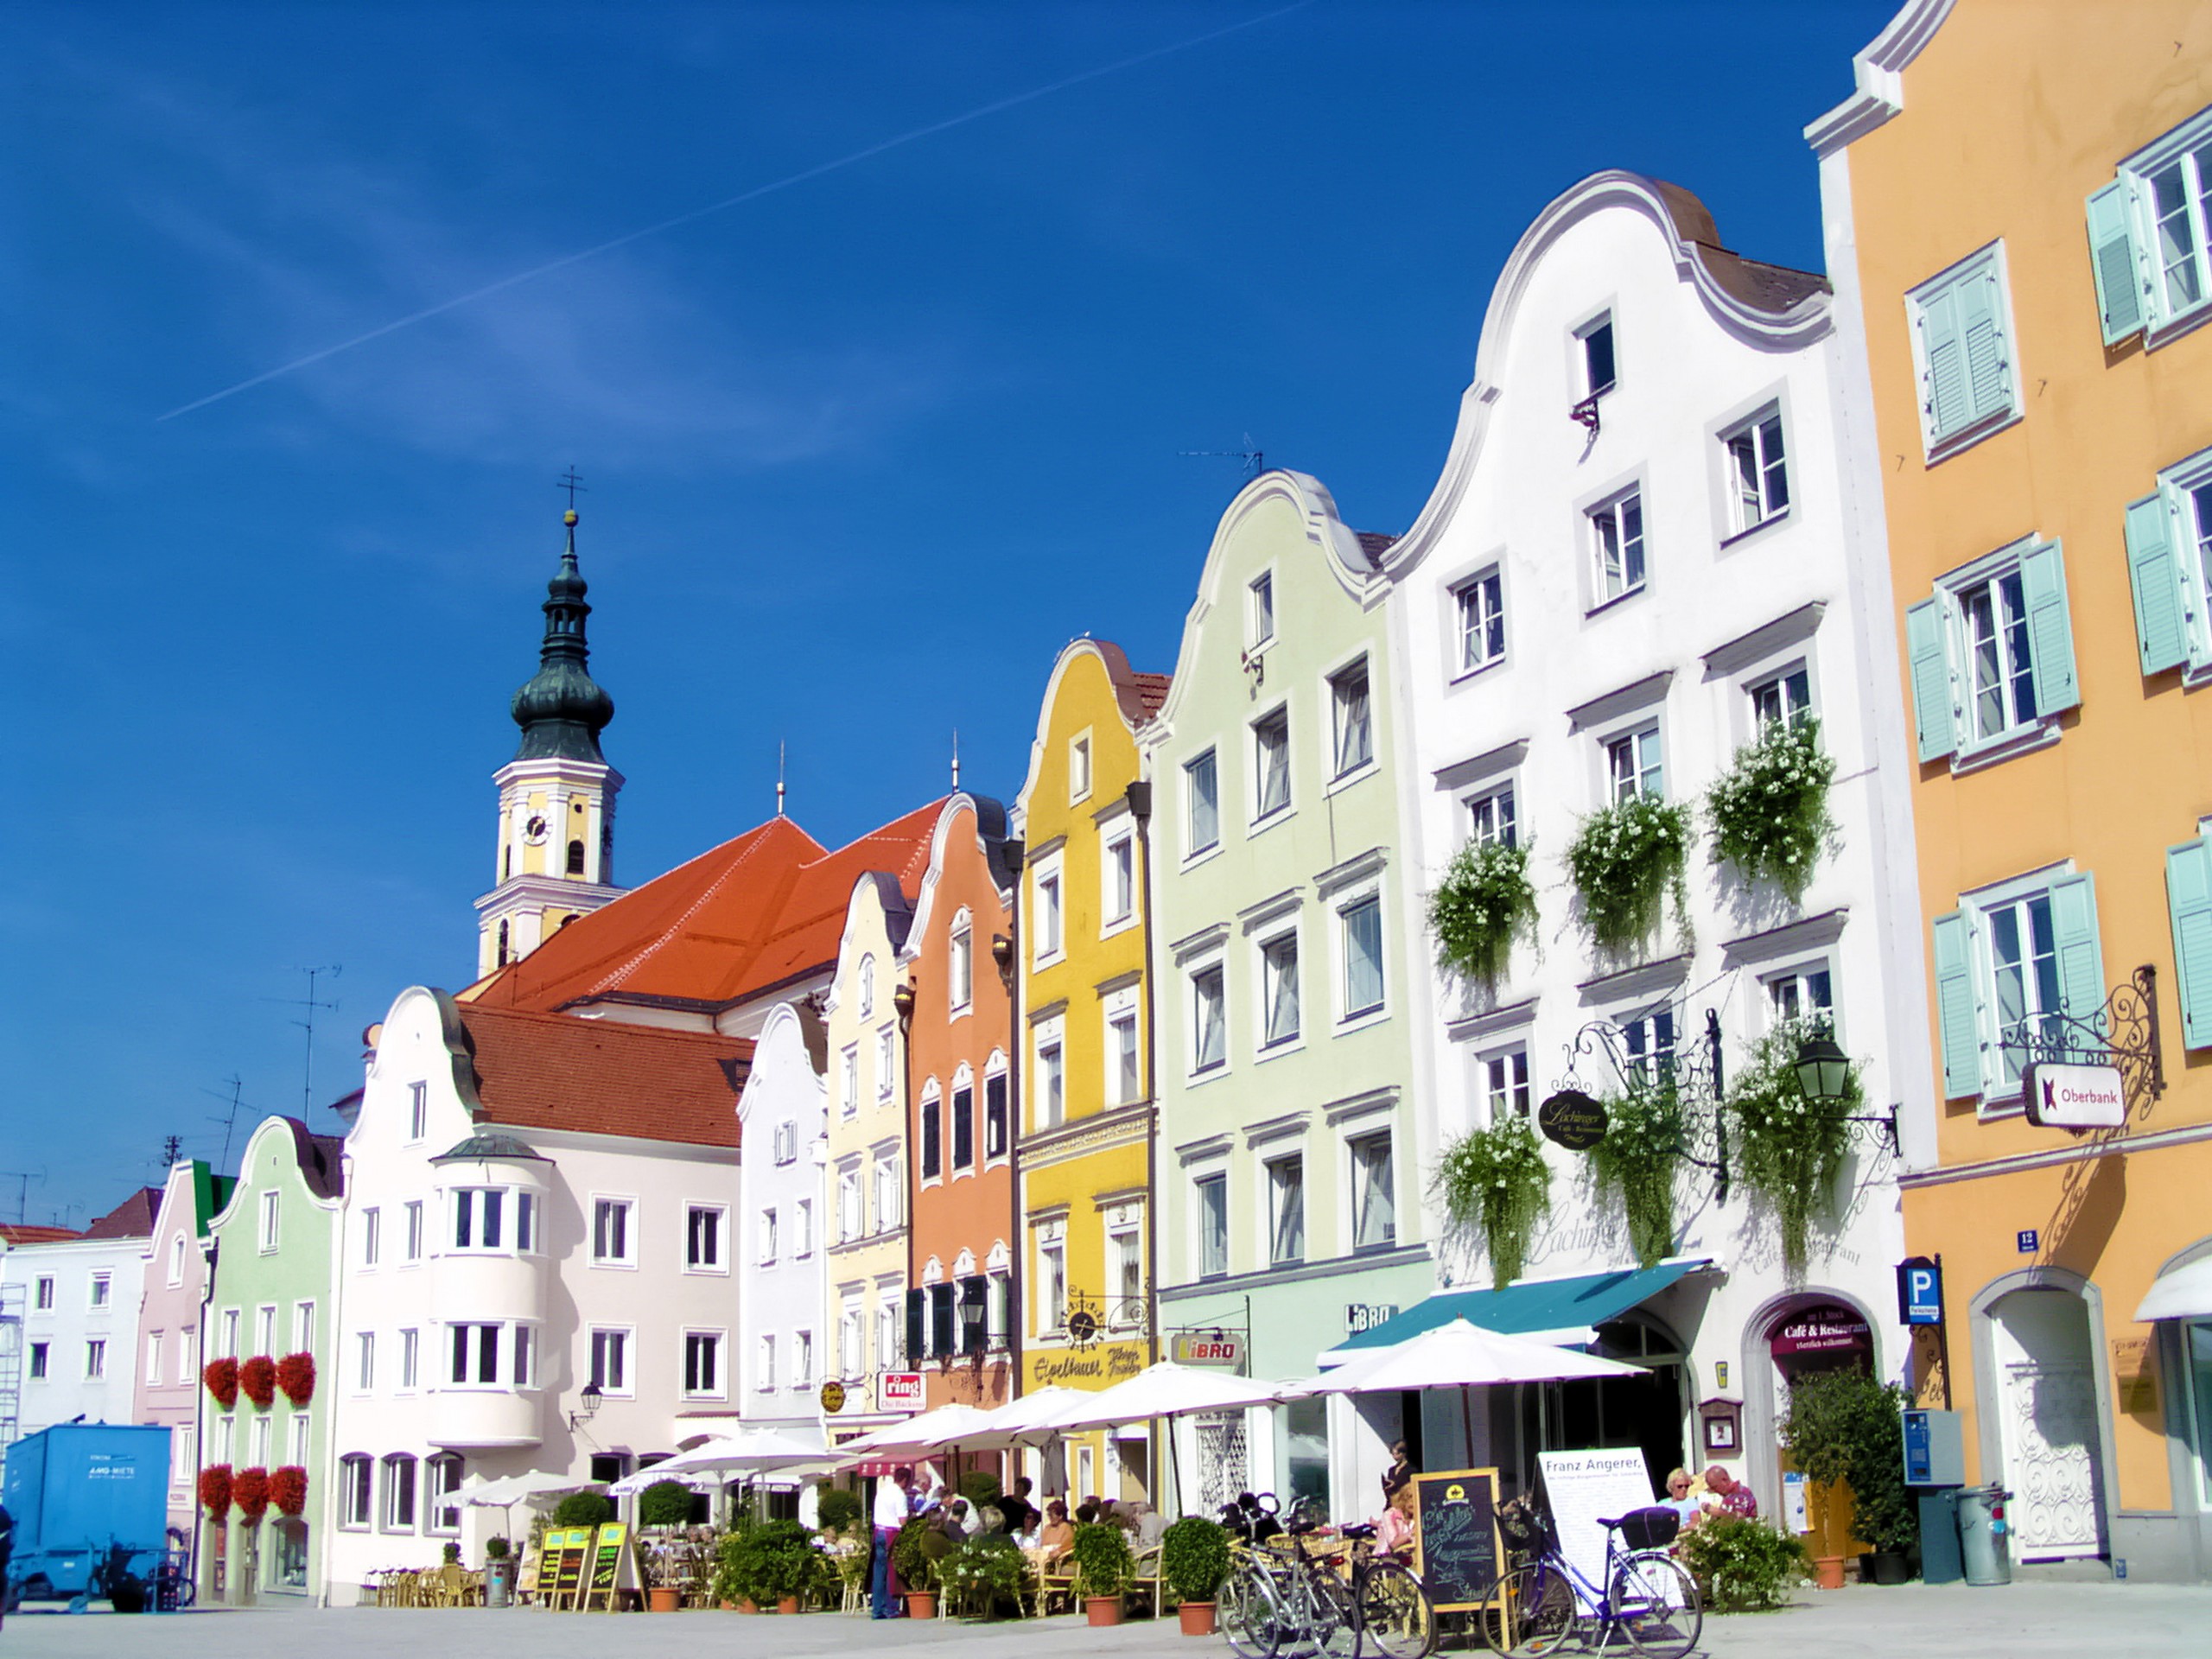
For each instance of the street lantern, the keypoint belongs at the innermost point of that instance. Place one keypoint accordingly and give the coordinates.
(1823, 1071)
(587, 1404)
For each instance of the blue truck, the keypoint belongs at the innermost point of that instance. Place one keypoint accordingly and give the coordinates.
(90, 1502)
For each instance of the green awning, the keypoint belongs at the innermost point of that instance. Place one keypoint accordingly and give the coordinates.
(1548, 1305)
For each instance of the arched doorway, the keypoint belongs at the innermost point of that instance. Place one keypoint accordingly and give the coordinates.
(1793, 1335)
(2050, 1432)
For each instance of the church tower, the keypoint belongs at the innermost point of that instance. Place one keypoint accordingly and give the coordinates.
(556, 858)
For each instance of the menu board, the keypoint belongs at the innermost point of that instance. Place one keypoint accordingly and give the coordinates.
(609, 1556)
(1456, 1548)
(1583, 1488)
(561, 1564)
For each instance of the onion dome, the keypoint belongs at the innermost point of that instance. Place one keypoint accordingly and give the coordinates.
(561, 709)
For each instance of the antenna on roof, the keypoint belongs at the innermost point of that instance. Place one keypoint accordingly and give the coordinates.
(1254, 462)
(22, 1180)
(956, 759)
(779, 777)
(310, 1003)
(229, 1120)
(172, 1147)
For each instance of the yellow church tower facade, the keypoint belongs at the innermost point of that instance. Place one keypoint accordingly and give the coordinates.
(555, 859)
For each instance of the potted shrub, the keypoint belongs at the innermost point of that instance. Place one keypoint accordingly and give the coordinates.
(583, 1510)
(664, 1504)
(1103, 1568)
(1743, 1566)
(1494, 1182)
(737, 1571)
(1823, 1431)
(916, 1571)
(836, 1509)
(982, 1572)
(498, 1572)
(1194, 1560)
(786, 1558)
(452, 1552)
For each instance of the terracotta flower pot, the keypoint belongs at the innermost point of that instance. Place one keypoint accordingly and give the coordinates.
(921, 1604)
(788, 1603)
(1827, 1572)
(664, 1598)
(1197, 1616)
(748, 1605)
(1102, 1610)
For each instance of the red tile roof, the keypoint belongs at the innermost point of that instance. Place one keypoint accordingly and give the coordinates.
(133, 1218)
(27, 1233)
(755, 914)
(1152, 691)
(606, 1077)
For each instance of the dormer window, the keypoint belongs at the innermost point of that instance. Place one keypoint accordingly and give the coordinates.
(1261, 619)
(1596, 337)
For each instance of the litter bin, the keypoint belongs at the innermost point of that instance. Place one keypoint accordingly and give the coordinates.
(1985, 1553)
(1939, 1536)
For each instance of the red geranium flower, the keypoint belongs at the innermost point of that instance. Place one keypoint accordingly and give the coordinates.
(288, 1489)
(296, 1376)
(250, 1491)
(221, 1376)
(257, 1380)
(215, 1490)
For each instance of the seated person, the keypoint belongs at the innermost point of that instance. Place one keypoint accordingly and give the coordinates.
(1085, 1514)
(1679, 1498)
(956, 1521)
(937, 1540)
(1057, 1537)
(1736, 1500)
(1399, 1524)
(1148, 1522)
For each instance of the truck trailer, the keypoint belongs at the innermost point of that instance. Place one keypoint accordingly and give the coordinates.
(90, 1502)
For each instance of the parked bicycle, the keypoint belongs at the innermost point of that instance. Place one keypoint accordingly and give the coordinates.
(1544, 1602)
(1286, 1602)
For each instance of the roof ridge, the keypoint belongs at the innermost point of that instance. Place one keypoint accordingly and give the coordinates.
(675, 929)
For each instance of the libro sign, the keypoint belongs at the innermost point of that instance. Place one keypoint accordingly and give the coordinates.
(899, 1390)
(2074, 1096)
(1191, 1349)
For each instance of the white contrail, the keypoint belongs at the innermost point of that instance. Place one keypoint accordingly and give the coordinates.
(726, 202)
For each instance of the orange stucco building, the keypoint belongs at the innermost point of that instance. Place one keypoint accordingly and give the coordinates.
(957, 1004)
(2017, 218)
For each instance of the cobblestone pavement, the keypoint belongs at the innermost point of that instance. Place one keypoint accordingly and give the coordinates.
(2019, 1621)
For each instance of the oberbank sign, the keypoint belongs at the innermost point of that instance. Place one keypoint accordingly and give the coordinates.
(2074, 1096)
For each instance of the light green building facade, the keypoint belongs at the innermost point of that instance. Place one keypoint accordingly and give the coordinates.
(1289, 1185)
(274, 1292)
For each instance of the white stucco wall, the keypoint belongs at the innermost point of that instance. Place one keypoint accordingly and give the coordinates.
(72, 1323)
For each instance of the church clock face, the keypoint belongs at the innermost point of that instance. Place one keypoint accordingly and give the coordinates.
(534, 832)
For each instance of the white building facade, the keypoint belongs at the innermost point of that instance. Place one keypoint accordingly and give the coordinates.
(77, 1353)
(1646, 546)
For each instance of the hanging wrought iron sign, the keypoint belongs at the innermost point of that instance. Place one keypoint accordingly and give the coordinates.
(1573, 1119)
(2061, 1096)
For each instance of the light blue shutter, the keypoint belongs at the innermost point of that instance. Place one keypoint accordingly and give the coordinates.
(1944, 392)
(1988, 353)
(2051, 631)
(2112, 258)
(2189, 895)
(1931, 678)
(1956, 1023)
(2074, 930)
(2161, 613)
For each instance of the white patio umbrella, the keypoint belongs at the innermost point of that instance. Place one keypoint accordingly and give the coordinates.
(1459, 1355)
(1166, 1390)
(748, 1452)
(917, 1436)
(524, 1489)
(1028, 1421)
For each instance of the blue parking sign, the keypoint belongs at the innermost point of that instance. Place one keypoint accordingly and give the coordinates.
(1920, 1291)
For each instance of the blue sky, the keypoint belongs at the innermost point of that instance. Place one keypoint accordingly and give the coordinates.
(861, 454)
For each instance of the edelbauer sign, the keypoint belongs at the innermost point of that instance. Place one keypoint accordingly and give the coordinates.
(2074, 1096)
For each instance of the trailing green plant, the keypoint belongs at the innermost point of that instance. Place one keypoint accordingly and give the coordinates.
(583, 1510)
(985, 1569)
(1637, 1160)
(664, 1504)
(836, 1509)
(1495, 1182)
(1626, 861)
(1743, 1566)
(916, 1569)
(1770, 810)
(1103, 1565)
(1791, 1149)
(1484, 903)
(1846, 1425)
(1194, 1558)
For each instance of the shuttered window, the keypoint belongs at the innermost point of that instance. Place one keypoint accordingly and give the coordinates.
(2170, 568)
(2189, 895)
(2008, 963)
(1962, 341)
(2151, 235)
(1991, 652)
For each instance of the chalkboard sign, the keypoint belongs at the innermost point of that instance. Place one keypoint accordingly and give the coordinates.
(561, 1564)
(609, 1556)
(1457, 1551)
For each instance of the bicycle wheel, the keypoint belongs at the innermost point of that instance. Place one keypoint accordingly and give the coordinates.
(1530, 1612)
(1248, 1614)
(1395, 1617)
(1336, 1620)
(1655, 1603)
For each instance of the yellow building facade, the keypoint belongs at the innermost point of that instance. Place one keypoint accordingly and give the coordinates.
(2017, 216)
(1087, 1316)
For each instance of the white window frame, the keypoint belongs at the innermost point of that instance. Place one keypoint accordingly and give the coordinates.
(1117, 859)
(802, 1365)
(265, 1329)
(1049, 1042)
(1049, 911)
(1478, 615)
(96, 1359)
(801, 1228)
(1051, 1277)
(356, 1500)
(889, 1192)
(269, 1215)
(764, 1363)
(1492, 813)
(1624, 569)
(2187, 517)
(2000, 1094)
(411, 1234)
(848, 1081)
(718, 1238)
(1792, 702)
(1643, 747)
(1584, 377)
(866, 981)
(1970, 748)
(1798, 982)
(1358, 1142)
(1259, 813)
(1267, 1046)
(1940, 445)
(1260, 610)
(43, 1293)
(1341, 770)
(154, 1359)
(887, 1062)
(1502, 1078)
(176, 1258)
(2162, 318)
(1342, 908)
(1203, 1236)
(960, 966)
(1762, 439)
(1120, 1018)
(1194, 850)
(627, 1260)
(100, 1290)
(418, 1112)
(1079, 767)
(1195, 1066)
(764, 1236)
(364, 1361)
(626, 1354)
(717, 1339)
(303, 1327)
(391, 1485)
(410, 1360)
(1272, 1176)
(372, 1238)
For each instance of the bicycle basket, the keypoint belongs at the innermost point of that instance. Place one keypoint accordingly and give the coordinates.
(1525, 1526)
(1651, 1529)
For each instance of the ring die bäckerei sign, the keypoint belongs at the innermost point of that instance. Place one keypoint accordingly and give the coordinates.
(2074, 1096)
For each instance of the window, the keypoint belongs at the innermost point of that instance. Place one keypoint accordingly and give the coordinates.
(1633, 767)
(1079, 768)
(1286, 1210)
(703, 1237)
(1352, 713)
(785, 1143)
(994, 1116)
(1279, 990)
(852, 1341)
(475, 1353)
(298, 1436)
(850, 1225)
(1361, 923)
(364, 1361)
(1260, 610)
(1616, 541)
(2170, 562)
(442, 1510)
(764, 1364)
(1124, 1082)
(1001, 1308)
(44, 1298)
(411, 1359)
(176, 1259)
(96, 1360)
(39, 1352)
(1271, 763)
(414, 1230)
(2005, 960)
(1209, 1020)
(525, 1357)
(372, 1236)
(932, 1163)
(575, 858)
(961, 975)
(803, 1227)
(356, 1499)
(1647, 1048)
(264, 1330)
(886, 1330)
(1212, 1193)
(525, 1221)
(611, 1240)
(867, 977)
(1492, 820)
(1596, 337)
(270, 1200)
(2148, 233)
(1801, 994)
(103, 1289)
(1052, 1083)
(848, 1081)
(154, 1360)
(703, 1363)
(767, 1234)
(302, 1327)
(2189, 899)
(1759, 476)
(1480, 604)
(944, 1320)
(888, 1195)
(1991, 652)
(1125, 1250)
(1963, 351)
(399, 1493)
(1505, 1082)
(1053, 1280)
(480, 1216)
(802, 1359)
(262, 1429)
(885, 1072)
(418, 1111)
(1201, 804)
(610, 1361)
(964, 1127)
(1048, 913)
(1374, 1193)
(229, 1337)
(1786, 698)
(1119, 876)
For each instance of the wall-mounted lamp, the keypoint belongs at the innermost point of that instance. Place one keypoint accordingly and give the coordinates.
(586, 1405)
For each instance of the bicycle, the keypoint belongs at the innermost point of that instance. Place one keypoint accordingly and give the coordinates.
(1540, 1604)
(1286, 1601)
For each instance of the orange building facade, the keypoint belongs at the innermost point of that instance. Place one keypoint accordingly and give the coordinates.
(2018, 204)
(957, 1005)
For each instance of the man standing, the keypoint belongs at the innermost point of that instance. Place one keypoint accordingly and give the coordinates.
(893, 1501)
(1015, 1509)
